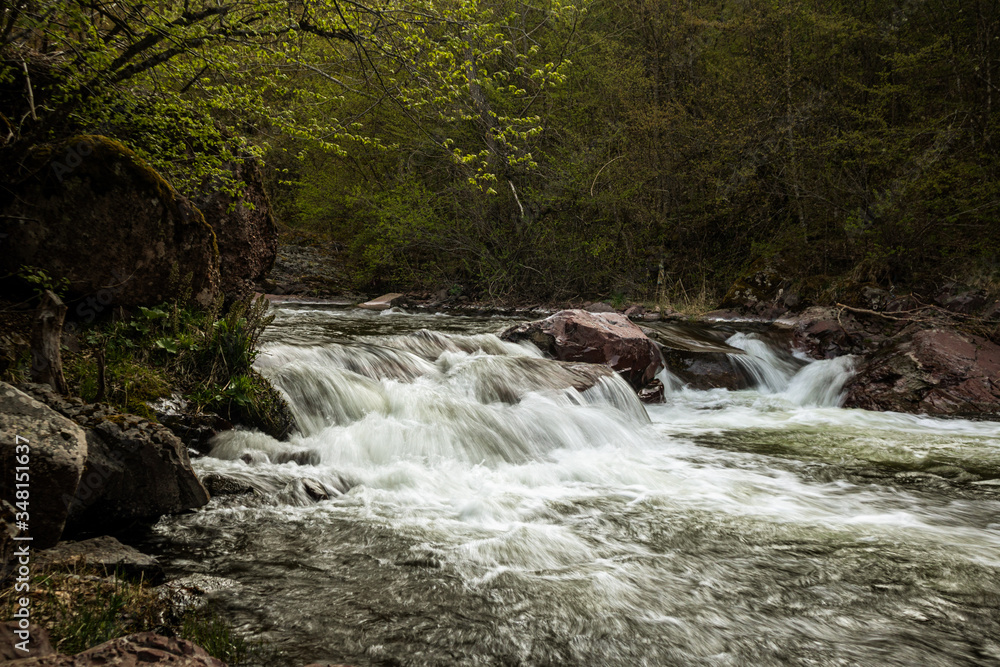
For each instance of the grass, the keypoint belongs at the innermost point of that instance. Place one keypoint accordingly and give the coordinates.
(81, 608)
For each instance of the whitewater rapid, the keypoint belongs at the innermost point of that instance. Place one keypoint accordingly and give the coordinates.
(486, 512)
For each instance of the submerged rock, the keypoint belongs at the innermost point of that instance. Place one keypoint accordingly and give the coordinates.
(609, 339)
(51, 449)
(934, 371)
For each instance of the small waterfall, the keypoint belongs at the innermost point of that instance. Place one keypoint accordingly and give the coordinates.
(799, 380)
(430, 395)
(770, 370)
(821, 383)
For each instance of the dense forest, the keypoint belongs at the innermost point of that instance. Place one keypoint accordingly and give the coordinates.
(552, 149)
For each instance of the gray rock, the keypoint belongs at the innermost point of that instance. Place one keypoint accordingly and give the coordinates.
(600, 307)
(107, 554)
(135, 470)
(56, 455)
(384, 302)
(220, 485)
(192, 591)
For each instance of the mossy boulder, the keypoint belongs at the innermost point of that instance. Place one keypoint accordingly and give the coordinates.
(244, 227)
(92, 211)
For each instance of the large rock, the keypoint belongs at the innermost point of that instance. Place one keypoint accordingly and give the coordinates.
(142, 649)
(107, 554)
(135, 470)
(245, 230)
(56, 455)
(934, 371)
(609, 339)
(698, 357)
(90, 210)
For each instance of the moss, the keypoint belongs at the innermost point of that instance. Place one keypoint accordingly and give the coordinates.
(42, 156)
(81, 607)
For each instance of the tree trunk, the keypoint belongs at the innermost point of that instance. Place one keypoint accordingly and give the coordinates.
(46, 337)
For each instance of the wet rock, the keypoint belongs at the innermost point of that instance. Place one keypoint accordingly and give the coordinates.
(609, 339)
(142, 649)
(105, 553)
(135, 470)
(652, 393)
(698, 358)
(244, 228)
(194, 430)
(302, 457)
(316, 490)
(90, 210)
(634, 312)
(38, 644)
(220, 485)
(823, 334)
(56, 455)
(192, 591)
(384, 302)
(508, 379)
(933, 371)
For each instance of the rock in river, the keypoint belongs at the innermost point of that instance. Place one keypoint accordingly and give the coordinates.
(609, 339)
(934, 371)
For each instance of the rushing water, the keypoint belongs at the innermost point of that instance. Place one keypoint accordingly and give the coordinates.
(485, 514)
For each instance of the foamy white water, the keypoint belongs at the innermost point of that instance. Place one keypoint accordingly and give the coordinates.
(487, 511)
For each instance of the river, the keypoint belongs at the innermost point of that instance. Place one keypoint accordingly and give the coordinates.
(483, 517)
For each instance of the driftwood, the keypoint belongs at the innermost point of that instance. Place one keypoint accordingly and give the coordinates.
(46, 338)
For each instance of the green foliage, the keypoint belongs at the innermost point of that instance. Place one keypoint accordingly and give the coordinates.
(168, 348)
(42, 281)
(214, 634)
(83, 606)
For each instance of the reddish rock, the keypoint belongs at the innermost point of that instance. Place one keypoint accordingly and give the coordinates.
(245, 229)
(144, 648)
(11, 635)
(609, 339)
(934, 371)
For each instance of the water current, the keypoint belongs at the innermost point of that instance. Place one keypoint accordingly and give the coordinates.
(485, 512)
